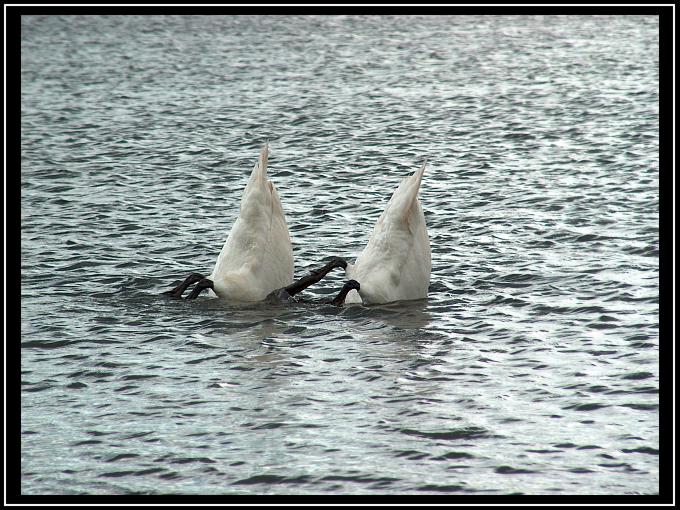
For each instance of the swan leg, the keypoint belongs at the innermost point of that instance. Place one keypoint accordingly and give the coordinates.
(189, 280)
(205, 283)
(339, 300)
(314, 276)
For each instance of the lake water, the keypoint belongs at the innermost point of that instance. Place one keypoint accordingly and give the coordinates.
(532, 367)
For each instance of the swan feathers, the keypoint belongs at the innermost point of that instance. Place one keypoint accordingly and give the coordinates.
(396, 263)
(257, 256)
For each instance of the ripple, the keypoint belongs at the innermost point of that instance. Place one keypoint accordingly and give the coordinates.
(440, 488)
(542, 206)
(454, 434)
(509, 470)
(272, 479)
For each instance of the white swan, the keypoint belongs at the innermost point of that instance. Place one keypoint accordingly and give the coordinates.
(256, 261)
(396, 263)
(257, 256)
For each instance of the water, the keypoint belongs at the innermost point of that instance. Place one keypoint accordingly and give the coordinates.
(531, 368)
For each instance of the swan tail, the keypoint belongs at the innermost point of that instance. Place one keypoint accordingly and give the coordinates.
(405, 198)
(419, 173)
(416, 179)
(258, 181)
(260, 169)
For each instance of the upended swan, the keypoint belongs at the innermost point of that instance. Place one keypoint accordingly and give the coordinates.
(256, 261)
(396, 263)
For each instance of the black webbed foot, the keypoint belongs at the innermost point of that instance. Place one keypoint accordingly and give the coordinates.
(205, 283)
(339, 300)
(314, 276)
(338, 262)
(179, 290)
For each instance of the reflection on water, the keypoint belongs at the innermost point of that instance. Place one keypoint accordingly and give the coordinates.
(403, 314)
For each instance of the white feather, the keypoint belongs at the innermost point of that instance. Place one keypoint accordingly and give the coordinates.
(257, 256)
(396, 263)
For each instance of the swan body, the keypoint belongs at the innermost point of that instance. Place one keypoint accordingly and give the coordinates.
(257, 256)
(396, 263)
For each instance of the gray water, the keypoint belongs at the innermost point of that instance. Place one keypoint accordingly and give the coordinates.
(532, 367)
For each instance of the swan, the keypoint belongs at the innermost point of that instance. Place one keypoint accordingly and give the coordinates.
(287, 293)
(256, 261)
(396, 263)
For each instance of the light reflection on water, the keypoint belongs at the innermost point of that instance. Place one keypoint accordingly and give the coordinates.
(532, 367)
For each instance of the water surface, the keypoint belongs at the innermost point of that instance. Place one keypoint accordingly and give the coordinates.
(531, 368)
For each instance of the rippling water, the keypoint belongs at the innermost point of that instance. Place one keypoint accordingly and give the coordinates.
(531, 368)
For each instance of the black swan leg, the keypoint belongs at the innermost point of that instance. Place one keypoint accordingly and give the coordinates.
(177, 291)
(205, 283)
(316, 275)
(339, 300)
